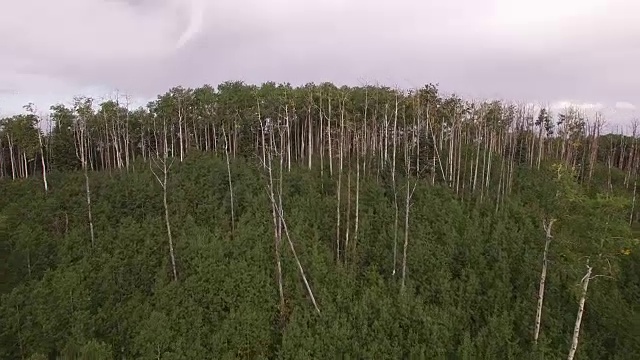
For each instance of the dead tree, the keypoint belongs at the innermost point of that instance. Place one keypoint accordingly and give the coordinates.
(588, 276)
(164, 165)
(583, 297)
(543, 277)
(83, 108)
(274, 212)
(31, 109)
(395, 190)
(407, 205)
(277, 209)
(226, 152)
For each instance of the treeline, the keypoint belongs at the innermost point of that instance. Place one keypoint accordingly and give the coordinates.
(321, 122)
(333, 222)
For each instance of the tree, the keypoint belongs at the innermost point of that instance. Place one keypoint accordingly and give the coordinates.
(84, 111)
(164, 165)
(32, 111)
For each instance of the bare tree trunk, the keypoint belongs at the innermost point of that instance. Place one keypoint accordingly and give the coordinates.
(395, 190)
(11, 155)
(82, 154)
(44, 166)
(288, 126)
(321, 142)
(355, 230)
(406, 230)
(295, 256)
(2, 166)
(633, 202)
(407, 205)
(543, 277)
(339, 189)
(277, 206)
(226, 152)
(276, 224)
(583, 298)
(329, 139)
(348, 224)
(88, 191)
(164, 166)
(309, 138)
(180, 118)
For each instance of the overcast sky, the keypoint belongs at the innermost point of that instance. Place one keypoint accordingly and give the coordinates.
(552, 51)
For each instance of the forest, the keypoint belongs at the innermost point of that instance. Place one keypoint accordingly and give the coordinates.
(317, 222)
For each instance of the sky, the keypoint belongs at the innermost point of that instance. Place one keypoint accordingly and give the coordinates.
(552, 52)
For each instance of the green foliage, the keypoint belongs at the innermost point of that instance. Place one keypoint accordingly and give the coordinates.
(471, 286)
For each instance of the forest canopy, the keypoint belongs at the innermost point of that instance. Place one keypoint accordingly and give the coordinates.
(318, 221)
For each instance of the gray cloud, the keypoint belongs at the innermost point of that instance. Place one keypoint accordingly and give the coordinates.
(562, 50)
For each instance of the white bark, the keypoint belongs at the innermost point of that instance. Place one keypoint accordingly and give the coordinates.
(543, 277)
(633, 202)
(407, 205)
(276, 206)
(295, 255)
(164, 165)
(276, 223)
(576, 329)
(355, 230)
(395, 190)
(226, 152)
(81, 153)
(339, 189)
(11, 155)
(44, 166)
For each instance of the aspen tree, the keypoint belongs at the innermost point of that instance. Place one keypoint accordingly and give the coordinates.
(547, 226)
(583, 297)
(329, 138)
(277, 206)
(633, 202)
(309, 133)
(395, 188)
(295, 256)
(83, 109)
(632, 152)
(355, 230)
(129, 155)
(276, 223)
(407, 205)
(180, 120)
(11, 156)
(2, 161)
(339, 188)
(226, 153)
(32, 110)
(164, 165)
(321, 138)
(348, 214)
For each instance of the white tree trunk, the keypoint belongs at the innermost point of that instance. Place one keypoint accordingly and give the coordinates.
(82, 153)
(11, 155)
(583, 298)
(543, 277)
(164, 166)
(395, 190)
(44, 167)
(226, 152)
(276, 223)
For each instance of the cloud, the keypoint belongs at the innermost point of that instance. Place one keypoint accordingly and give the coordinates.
(564, 104)
(68, 46)
(87, 30)
(528, 50)
(623, 105)
(196, 11)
